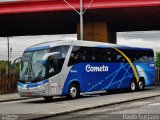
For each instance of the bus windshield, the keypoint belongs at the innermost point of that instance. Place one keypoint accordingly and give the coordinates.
(31, 68)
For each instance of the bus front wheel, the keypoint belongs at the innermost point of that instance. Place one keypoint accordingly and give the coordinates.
(133, 86)
(74, 91)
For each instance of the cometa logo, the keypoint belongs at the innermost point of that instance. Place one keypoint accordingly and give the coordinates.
(90, 68)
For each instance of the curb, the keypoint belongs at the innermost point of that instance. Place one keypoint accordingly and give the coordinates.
(39, 117)
(16, 99)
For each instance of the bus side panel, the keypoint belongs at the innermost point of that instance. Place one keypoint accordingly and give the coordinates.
(53, 86)
(118, 76)
(146, 70)
(99, 76)
(74, 75)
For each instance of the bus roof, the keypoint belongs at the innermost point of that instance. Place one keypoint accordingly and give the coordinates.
(47, 45)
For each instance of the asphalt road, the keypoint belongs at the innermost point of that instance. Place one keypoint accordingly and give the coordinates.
(30, 108)
(148, 109)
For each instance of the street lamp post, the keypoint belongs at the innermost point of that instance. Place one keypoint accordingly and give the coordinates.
(8, 58)
(81, 12)
(81, 19)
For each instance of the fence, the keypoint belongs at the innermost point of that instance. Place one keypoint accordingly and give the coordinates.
(158, 75)
(8, 86)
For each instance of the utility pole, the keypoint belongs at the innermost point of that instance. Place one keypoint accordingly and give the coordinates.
(11, 54)
(81, 12)
(8, 58)
(81, 19)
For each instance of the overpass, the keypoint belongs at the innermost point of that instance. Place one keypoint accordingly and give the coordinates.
(101, 22)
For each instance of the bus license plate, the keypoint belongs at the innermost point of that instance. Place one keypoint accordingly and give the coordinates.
(28, 93)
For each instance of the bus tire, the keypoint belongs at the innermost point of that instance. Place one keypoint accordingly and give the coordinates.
(133, 85)
(141, 85)
(48, 98)
(74, 91)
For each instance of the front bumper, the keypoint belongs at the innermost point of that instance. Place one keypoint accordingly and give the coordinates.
(38, 89)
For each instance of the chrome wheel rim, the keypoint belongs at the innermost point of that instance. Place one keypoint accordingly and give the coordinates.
(133, 86)
(73, 92)
(140, 85)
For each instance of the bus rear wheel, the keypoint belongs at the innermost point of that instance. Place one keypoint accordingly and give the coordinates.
(74, 91)
(141, 85)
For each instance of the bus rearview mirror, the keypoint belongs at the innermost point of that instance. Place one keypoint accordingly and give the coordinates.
(46, 56)
(12, 63)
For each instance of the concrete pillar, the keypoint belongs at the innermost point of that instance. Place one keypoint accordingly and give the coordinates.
(97, 31)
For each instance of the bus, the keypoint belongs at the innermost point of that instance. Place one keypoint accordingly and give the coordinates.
(71, 67)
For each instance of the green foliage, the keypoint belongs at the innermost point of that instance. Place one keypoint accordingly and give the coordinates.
(4, 67)
(16, 67)
(157, 59)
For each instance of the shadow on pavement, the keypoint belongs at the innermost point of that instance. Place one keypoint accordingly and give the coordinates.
(59, 100)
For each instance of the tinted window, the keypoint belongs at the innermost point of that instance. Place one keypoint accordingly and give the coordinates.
(92, 54)
(56, 61)
(139, 56)
(78, 54)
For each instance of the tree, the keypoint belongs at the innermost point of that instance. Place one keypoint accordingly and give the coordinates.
(16, 68)
(157, 59)
(2, 67)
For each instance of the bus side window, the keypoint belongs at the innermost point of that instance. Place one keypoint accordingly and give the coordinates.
(147, 56)
(113, 56)
(56, 61)
(89, 55)
(130, 54)
(74, 56)
(108, 56)
(53, 67)
(81, 54)
(150, 57)
(73, 59)
(98, 56)
(119, 57)
(142, 56)
(82, 57)
(102, 55)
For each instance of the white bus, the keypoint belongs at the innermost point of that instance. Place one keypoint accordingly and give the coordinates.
(68, 68)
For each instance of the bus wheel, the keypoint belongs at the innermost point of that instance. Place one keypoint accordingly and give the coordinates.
(133, 86)
(141, 85)
(74, 91)
(48, 98)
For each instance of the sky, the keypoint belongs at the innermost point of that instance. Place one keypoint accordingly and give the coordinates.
(150, 39)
